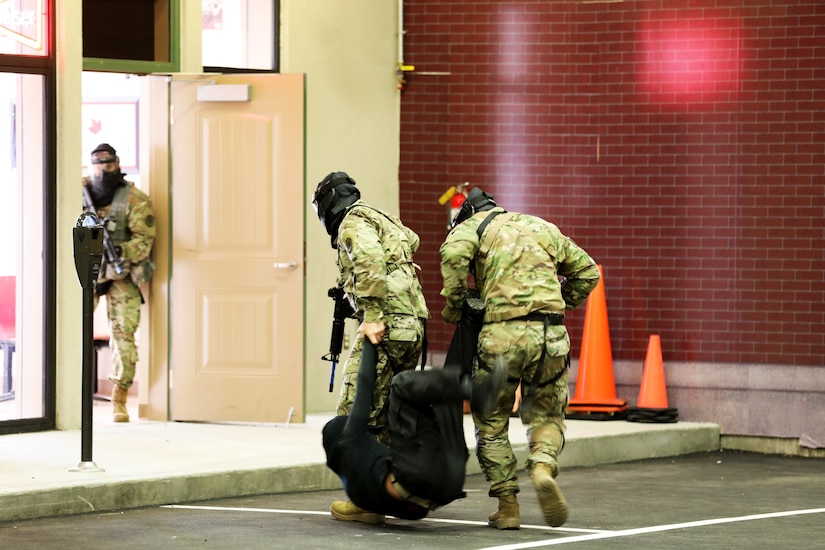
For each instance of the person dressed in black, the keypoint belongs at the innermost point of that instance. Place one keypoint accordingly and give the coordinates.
(426, 431)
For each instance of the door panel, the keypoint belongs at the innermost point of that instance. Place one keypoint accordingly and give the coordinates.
(236, 301)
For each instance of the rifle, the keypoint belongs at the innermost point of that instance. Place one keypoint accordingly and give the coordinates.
(343, 309)
(110, 251)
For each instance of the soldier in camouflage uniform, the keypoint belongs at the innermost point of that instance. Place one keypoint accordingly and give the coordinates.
(131, 227)
(377, 273)
(517, 261)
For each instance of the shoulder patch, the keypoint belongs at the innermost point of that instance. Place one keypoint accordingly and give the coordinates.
(150, 220)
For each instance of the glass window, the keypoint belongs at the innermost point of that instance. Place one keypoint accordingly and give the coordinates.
(23, 27)
(22, 390)
(146, 40)
(240, 34)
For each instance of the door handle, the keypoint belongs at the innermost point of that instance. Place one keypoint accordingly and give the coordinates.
(292, 266)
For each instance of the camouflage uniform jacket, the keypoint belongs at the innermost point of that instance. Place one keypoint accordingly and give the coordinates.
(520, 272)
(375, 253)
(140, 230)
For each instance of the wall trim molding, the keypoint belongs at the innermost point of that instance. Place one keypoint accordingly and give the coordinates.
(748, 399)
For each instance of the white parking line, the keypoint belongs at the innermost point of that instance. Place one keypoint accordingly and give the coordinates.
(653, 529)
(541, 527)
(326, 513)
(260, 510)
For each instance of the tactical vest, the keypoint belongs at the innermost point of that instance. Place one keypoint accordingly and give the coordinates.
(116, 225)
(117, 214)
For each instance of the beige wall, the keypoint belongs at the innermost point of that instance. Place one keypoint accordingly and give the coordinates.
(349, 56)
(69, 293)
(348, 50)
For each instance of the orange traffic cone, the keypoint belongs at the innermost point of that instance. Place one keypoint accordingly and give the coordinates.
(595, 395)
(652, 403)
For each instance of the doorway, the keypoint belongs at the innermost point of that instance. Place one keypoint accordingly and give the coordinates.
(110, 113)
(222, 340)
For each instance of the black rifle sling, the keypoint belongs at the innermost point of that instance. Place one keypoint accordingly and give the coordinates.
(483, 225)
(480, 231)
(530, 394)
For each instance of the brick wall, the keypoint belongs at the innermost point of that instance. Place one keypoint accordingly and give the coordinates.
(680, 142)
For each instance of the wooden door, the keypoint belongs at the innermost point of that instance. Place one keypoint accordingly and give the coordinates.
(236, 278)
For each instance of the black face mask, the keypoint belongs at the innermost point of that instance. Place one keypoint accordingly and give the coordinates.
(106, 181)
(103, 187)
(331, 199)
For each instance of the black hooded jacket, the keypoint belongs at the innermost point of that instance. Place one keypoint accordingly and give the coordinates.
(427, 453)
(357, 457)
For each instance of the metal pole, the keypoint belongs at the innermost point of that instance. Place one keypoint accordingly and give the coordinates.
(87, 259)
(86, 423)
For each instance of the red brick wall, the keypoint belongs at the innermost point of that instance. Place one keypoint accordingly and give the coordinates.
(680, 142)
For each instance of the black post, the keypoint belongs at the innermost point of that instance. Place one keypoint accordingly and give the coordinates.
(88, 357)
(88, 255)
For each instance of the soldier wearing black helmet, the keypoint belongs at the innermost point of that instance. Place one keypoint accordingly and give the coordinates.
(129, 224)
(517, 261)
(377, 273)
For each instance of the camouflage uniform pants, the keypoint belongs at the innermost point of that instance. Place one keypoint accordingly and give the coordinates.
(399, 351)
(518, 344)
(123, 310)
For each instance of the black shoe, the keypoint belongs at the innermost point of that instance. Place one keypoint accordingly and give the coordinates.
(486, 392)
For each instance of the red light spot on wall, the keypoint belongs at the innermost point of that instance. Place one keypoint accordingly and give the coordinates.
(688, 58)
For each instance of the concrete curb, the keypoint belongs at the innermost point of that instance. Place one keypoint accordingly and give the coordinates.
(588, 444)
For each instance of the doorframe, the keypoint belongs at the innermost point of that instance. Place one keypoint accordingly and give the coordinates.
(154, 132)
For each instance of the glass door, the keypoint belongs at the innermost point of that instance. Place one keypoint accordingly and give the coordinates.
(22, 164)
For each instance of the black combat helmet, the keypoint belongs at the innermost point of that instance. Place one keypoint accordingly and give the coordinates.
(332, 196)
(477, 201)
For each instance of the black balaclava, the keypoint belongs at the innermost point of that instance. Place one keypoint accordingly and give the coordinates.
(477, 201)
(333, 195)
(104, 185)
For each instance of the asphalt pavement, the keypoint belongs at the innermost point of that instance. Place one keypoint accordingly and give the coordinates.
(711, 499)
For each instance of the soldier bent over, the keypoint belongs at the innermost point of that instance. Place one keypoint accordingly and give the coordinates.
(517, 261)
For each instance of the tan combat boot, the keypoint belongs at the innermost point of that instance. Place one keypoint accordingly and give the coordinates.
(552, 502)
(120, 414)
(507, 515)
(347, 511)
